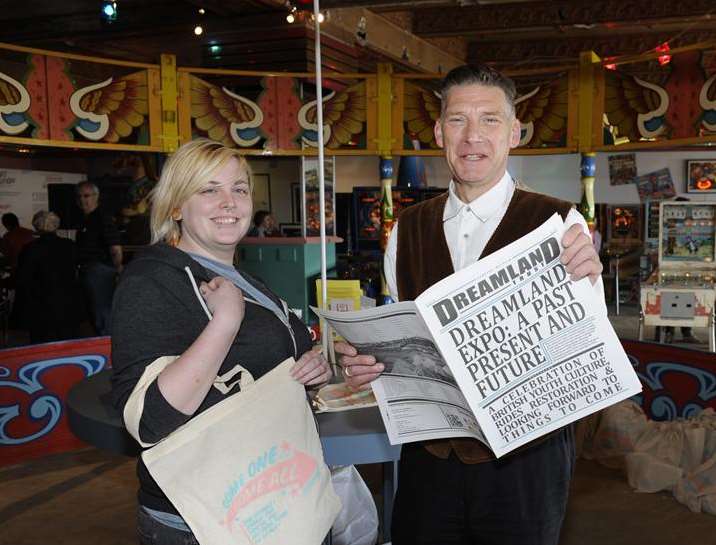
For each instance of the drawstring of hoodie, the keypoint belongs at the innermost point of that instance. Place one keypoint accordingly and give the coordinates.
(284, 319)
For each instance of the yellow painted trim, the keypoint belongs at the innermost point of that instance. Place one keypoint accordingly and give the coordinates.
(73, 56)
(512, 73)
(598, 109)
(371, 128)
(572, 108)
(586, 99)
(385, 103)
(170, 141)
(516, 151)
(75, 144)
(544, 151)
(312, 152)
(257, 73)
(398, 111)
(659, 144)
(184, 107)
(154, 90)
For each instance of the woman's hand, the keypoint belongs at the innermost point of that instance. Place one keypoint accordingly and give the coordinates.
(311, 369)
(358, 370)
(225, 300)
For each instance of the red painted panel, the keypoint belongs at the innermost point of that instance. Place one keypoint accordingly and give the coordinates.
(34, 383)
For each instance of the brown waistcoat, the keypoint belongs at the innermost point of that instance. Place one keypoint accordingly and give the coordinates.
(424, 259)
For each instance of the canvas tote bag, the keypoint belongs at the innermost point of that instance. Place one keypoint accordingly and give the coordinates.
(250, 469)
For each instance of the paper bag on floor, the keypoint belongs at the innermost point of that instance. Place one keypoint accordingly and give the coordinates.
(697, 490)
(617, 431)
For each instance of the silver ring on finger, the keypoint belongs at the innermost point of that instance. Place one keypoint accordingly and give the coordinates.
(347, 371)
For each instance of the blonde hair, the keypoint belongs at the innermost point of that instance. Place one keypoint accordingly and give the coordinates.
(45, 222)
(186, 172)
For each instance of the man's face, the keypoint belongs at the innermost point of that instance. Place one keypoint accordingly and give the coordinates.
(87, 199)
(477, 131)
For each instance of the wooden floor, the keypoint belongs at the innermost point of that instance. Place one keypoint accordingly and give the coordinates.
(88, 498)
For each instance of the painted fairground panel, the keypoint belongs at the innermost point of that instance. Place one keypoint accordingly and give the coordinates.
(677, 382)
(52, 98)
(542, 106)
(23, 95)
(667, 98)
(274, 113)
(34, 384)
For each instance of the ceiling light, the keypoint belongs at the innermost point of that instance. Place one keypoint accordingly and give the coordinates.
(109, 11)
(198, 30)
(202, 11)
(290, 18)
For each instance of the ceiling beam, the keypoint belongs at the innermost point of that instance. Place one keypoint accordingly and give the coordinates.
(484, 22)
(369, 30)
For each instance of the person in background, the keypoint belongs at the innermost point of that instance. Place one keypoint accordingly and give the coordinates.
(15, 238)
(47, 283)
(99, 255)
(263, 225)
(188, 323)
(455, 491)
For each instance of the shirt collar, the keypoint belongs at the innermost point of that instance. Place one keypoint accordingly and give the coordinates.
(485, 206)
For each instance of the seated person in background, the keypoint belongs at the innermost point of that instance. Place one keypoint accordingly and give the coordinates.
(264, 225)
(47, 286)
(188, 323)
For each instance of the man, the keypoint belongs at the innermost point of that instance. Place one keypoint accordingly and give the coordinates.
(454, 491)
(99, 255)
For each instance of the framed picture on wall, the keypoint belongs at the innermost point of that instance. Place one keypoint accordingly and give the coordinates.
(701, 176)
(262, 192)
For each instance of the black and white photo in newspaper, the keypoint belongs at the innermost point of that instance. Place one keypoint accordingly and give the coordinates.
(416, 393)
(531, 350)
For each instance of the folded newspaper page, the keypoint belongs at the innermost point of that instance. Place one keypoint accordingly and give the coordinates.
(505, 350)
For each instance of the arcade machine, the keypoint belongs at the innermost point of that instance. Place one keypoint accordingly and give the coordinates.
(680, 292)
(623, 246)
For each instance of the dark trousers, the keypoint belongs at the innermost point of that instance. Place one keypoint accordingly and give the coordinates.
(153, 532)
(98, 280)
(519, 499)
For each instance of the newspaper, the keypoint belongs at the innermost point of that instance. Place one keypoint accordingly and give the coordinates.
(504, 350)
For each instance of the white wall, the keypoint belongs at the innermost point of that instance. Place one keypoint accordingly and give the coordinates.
(558, 175)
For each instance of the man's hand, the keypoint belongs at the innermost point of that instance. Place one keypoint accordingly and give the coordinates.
(579, 256)
(359, 371)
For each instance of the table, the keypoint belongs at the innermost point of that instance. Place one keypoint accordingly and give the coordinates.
(349, 437)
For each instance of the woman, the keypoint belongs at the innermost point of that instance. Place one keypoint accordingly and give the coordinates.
(184, 314)
(47, 283)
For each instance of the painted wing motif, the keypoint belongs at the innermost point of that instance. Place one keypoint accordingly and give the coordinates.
(344, 115)
(543, 114)
(636, 107)
(14, 104)
(421, 111)
(707, 101)
(111, 109)
(225, 116)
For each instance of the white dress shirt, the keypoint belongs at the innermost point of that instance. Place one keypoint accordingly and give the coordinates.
(469, 226)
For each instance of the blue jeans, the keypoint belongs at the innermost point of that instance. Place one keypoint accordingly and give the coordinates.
(98, 282)
(153, 532)
(519, 499)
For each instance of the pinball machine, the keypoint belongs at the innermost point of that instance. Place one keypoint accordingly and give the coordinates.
(680, 292)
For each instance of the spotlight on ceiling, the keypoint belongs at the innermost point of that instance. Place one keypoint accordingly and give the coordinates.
(198, 30)
(109, 11)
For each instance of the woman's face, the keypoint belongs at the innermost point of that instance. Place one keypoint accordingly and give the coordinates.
(218, 216)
